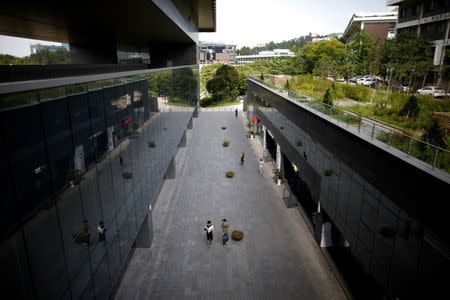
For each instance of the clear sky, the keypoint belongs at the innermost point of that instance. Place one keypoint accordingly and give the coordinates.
(249, 22)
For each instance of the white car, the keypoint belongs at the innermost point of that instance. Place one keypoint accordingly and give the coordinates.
(432, 91)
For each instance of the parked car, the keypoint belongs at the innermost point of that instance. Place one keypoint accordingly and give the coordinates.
(402, 88)
(430, 90)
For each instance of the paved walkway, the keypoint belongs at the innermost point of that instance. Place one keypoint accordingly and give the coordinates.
(277, 259)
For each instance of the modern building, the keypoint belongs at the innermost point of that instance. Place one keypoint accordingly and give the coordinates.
(375, 206)
(429, 19)
(209, 53)
(86, 147)
(52, 48)
(264, 55)
(378, 25)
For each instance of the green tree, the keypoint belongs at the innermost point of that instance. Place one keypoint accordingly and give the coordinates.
(324, 58)
(225, 84)
(411, 107)
(407, 58)
(362, 55)
(435, 135)
(206, 74)
(245, 51)
(328, 97)
(261, 76)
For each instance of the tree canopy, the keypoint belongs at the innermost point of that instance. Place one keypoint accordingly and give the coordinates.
(225, 84)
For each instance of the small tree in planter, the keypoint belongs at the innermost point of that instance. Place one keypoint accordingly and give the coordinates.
(151, 144)
(226, 143)
(252, 133)
(224, 127)
(278, 175)
(229, 174)
(237, 235)
(75, 177)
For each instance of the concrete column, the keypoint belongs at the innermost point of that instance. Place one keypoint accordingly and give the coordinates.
(183, 140)
(171, 170)
(278, 160)
(264, 131)
(144, 237)
(100, 52)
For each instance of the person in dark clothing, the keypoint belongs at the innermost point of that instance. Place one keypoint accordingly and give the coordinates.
(236, 112)
(242, 158)
(209, 228)
(82, 236)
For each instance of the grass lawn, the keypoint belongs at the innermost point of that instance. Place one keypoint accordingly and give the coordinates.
(220, 103)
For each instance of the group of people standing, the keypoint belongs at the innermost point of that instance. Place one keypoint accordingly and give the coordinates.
(209, 229)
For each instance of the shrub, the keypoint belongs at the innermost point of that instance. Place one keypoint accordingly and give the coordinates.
(224, 127)
(151, 144)
(356, 92)
(226, 143)
(328, 97)
(411, 108)
(229, 174)
(237, 235)
(299, 143)
(277, 172)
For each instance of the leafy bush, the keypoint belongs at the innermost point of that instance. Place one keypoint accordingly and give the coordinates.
(226, 143)
(229, 174)
(356, 92)
(151, 144)
(328, 97)
(237, 235)
(277, 172)
(411, 107)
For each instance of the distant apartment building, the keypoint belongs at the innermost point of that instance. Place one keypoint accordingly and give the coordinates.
(209, 53)
(378, 25)
(428, 19)
(264, 55)
(52, 48)
(327, 37)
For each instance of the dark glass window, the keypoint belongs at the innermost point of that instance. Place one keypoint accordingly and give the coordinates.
(101, 280)
(27, 156)
(45, 252)
(106, 189)
(16, 279)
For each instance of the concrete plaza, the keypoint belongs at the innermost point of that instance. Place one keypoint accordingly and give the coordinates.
(278, 257)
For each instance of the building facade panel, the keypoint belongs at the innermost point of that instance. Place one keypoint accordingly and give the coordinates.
(376, 227)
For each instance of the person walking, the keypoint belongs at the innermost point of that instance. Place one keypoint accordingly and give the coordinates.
(236, 112)
(224, 228)
(242, 158)
(261, 166)
(101, 231)
(209, 228)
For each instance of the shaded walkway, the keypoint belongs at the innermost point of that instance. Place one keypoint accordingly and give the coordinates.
(278, 258)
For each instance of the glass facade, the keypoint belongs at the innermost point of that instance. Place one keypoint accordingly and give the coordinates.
(390, 245)
(76, 157)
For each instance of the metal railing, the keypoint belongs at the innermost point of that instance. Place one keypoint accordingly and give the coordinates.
(435, 156)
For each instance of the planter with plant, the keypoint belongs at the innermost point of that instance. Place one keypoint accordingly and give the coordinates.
(75, 177)
(237, 235)
(299, 143)
(278, 175)
(226, 143)
(127, 175)
(229, 174)
(224, 127)
(151, 144)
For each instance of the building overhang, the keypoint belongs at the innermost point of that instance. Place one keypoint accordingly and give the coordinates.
(394, 2)
(206, 15)
(132, 22)
(363, 18)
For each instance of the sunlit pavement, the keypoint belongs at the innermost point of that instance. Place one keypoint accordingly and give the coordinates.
(277, 259)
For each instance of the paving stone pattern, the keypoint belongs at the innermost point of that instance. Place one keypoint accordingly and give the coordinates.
(277, 259)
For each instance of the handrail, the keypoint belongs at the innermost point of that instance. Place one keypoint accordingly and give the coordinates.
(434, 156)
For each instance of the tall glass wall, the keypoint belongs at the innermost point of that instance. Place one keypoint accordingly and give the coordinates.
(80, 166)
(390, 245)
